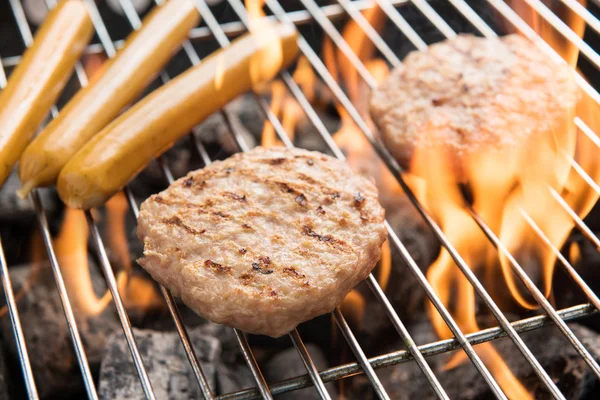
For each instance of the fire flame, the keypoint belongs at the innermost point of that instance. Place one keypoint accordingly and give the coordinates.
(514, 216)
(140, 292)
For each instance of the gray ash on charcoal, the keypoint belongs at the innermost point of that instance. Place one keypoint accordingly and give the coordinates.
(288, 364)
(165, 362)
(168, 367)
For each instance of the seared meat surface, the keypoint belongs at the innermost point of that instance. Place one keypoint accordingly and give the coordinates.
(477, 99)
(263, 240)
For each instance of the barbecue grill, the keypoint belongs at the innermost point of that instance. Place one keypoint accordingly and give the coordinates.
(323, 16)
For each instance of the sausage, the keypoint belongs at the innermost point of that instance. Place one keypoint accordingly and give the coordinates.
(36, 82)
(114, 156)
(121, 80)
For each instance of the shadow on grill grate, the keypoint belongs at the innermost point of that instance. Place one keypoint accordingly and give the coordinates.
(70, 342)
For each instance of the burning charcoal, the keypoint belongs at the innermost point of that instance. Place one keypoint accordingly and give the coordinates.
(288, 364)
(47, 335)
(165, 361)
(564, 365)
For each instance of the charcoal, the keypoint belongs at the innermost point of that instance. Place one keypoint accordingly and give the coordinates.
(288, 364)
(16, 210)
(564, 365)
(165, 361)
(4, 377)
(17, 218)
(232, 372)
(248, 113)
(48, 340)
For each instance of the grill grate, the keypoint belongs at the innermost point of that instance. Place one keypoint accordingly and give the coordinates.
(312, 12)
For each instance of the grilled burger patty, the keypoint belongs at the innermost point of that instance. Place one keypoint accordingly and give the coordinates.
(475, 97)
(263, 240)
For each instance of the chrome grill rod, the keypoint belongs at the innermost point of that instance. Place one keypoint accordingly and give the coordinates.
(430, 349)
(13, 311)
(79, 350)
(231, 29)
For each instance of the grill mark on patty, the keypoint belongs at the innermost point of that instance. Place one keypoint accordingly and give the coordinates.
(301, 200)
(291, 271)
(339, 244)
(217, 267)
(176, 221)
(275, 161)
(262, 266)
(287, 188)
(190, 183)
(327, 190)
(237, 197)
(246, 279)
(180, 203)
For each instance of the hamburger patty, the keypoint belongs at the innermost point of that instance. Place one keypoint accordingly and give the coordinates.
(476, 99)
(263, 240)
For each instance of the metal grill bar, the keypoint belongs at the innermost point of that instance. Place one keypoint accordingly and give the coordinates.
(111, 51)
(13, 310)
(348, 51)
(15, 320)
(485, 29)
(564, 30)
(231, 29)
(224, 42)
(430, 349)
(429, 12)
(538, 295)
(583, 13)
(64, 297)
(530, 34)
(43, 221)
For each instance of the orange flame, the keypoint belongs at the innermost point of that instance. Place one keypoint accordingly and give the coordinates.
(527, 214)
(140, 293)
(71, 251)
(509, 213)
